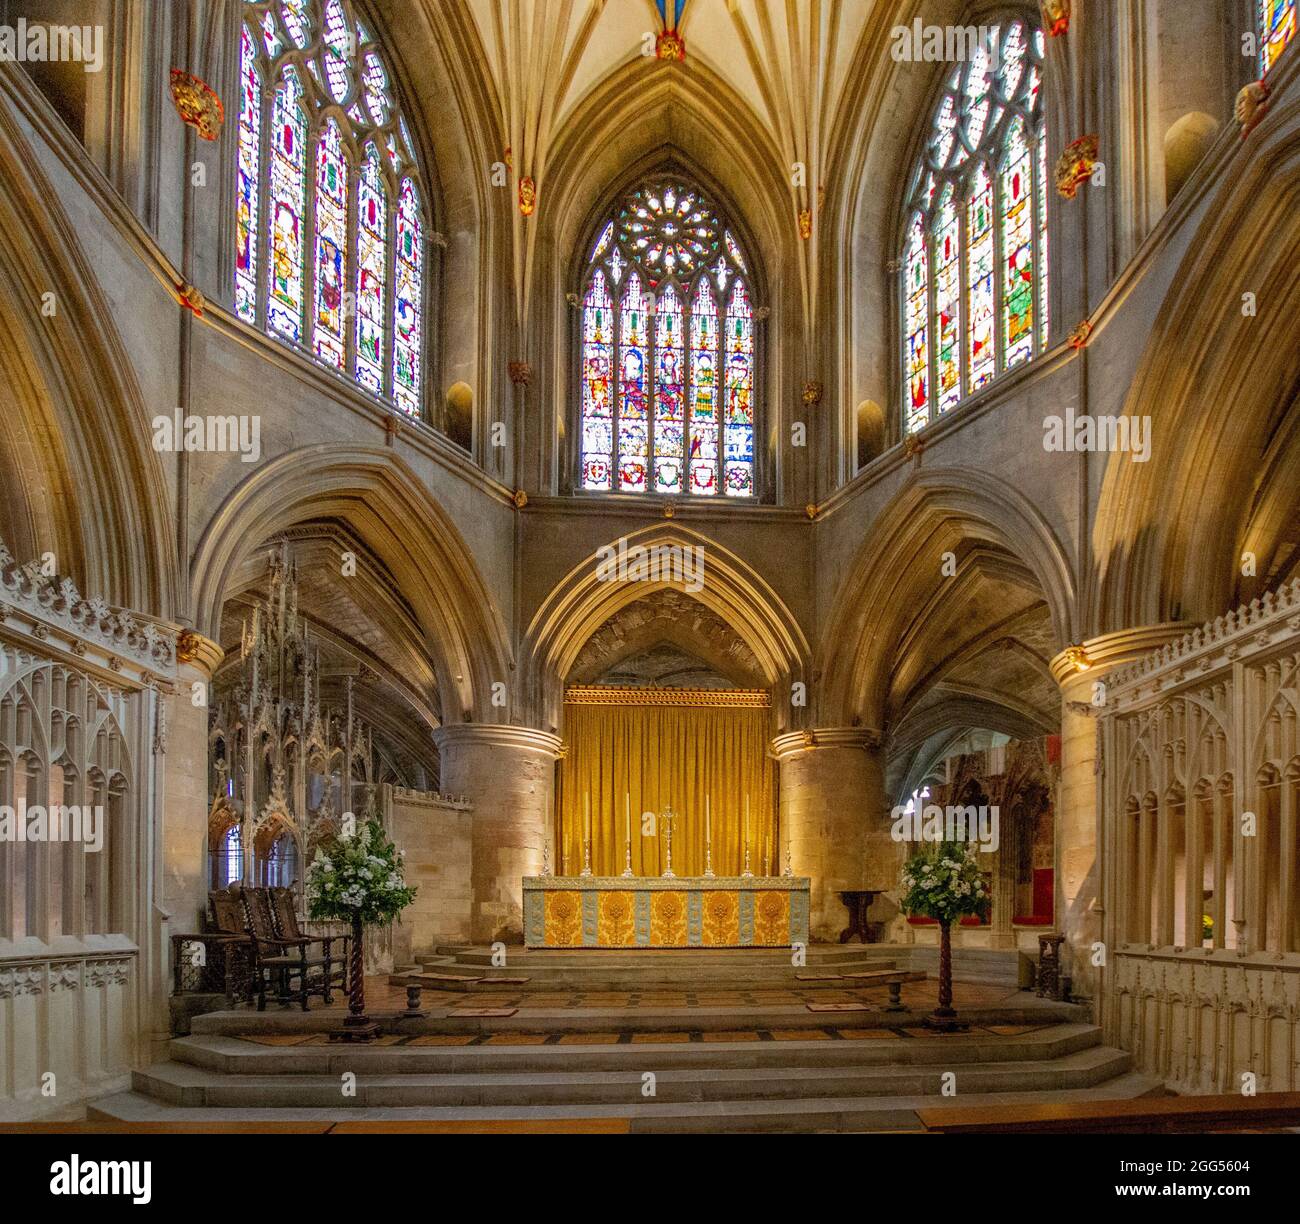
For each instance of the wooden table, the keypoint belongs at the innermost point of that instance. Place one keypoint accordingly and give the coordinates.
(858, 903)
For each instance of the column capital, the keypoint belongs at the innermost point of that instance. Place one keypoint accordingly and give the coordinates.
(198, 651)
(791, 742)
(1089, 660)
(496, 735)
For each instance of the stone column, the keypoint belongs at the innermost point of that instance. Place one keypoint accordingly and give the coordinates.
(834, 819)
(185, 798)
(508, 774)
(1080, 670)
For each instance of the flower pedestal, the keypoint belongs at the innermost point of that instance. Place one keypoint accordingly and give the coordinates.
(945, 884)
(357, 878)
(944, 1017)
(357, 1026)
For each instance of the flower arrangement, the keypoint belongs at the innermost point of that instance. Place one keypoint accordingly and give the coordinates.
(1207, 927)
(944, 883)
(358, 878)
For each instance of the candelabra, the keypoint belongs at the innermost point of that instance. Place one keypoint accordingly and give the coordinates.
(667, 819)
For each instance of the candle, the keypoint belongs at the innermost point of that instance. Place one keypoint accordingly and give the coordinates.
(708, 822)
(627, 801)
(586, 817)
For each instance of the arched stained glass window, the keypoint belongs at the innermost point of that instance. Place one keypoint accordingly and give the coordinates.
(329, 239)
(1277, 26)
(973, 292)
(667, 379)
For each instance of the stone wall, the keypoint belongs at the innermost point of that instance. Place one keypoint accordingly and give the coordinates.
(434, 832)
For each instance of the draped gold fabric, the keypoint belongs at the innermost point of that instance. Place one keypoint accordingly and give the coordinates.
(647, 757)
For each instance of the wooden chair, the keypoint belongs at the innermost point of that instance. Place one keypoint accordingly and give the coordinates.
(285, 913)
(226, 964)
(280, 962)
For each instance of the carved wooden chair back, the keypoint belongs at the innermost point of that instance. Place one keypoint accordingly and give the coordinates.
(228, 911)
(257, 905)
(286, 913)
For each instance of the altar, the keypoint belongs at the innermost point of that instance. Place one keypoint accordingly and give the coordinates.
(665, 912)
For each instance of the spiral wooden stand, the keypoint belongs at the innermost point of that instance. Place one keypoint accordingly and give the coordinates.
(944, 1017)
(357, 1026)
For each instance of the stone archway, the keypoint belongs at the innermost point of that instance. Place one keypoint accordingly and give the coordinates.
(383, 501)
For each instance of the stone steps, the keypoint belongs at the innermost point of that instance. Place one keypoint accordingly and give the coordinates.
(230, 1055)
(843, 1113)
(606, 969)
(195, 1087)
(722, 1018)
(612, 969)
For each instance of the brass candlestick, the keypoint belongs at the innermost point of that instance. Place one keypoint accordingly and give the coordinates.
(747, 874)
(667, 820)
(586, 855)
(708, 857)
(627, 869)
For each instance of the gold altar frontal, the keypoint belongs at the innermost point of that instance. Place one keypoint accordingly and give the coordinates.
(658, 912)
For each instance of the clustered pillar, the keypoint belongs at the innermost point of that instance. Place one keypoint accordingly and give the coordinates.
(509, 775)
(834, 818)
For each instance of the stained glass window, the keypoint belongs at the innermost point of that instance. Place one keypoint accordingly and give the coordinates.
(979, 277)
(288, 205)
(597, 391)
(1277, 26)
(947, 301)
(973, 272)
(667, 378)
(249, 178)
(372, 228)
(738, 410)
(407, 333)
(1017, 251)
(331, 243)
(915, 325)
(349, 292)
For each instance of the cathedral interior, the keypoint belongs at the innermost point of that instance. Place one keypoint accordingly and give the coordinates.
(654, 462)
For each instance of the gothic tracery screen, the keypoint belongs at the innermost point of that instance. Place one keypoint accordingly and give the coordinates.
(329, 253)
(974, 249)
(667, 350)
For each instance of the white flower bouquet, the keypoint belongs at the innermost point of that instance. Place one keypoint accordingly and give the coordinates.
(358, 877)
(945, 883)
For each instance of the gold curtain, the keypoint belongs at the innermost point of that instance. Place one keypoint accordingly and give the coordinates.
(643, 756)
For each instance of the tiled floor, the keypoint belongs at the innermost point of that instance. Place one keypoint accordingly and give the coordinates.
(828, 1033)
(921, 996)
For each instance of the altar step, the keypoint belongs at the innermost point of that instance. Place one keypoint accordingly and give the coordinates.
(236, 1056)
(822, 1085)
(619, 1020)
(596, 969)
